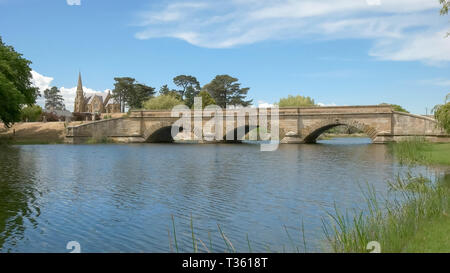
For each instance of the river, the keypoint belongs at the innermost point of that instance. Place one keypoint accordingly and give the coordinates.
(121, 198)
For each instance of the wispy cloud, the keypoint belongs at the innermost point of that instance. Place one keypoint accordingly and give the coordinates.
(403, 30)
(436, 82)
(73, 2)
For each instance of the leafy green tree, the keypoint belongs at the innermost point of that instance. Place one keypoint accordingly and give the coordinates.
(122, 88)
(207, 99)
(445, 6)
(138, 94)
(16, 89)
(162, 102)
(396, 107)
(187, 83)
(442, 114)
(190, 94)
(444, 9)
(31, 113)
(226, 90)
(296, 101)
(53, 99)
(164, 90)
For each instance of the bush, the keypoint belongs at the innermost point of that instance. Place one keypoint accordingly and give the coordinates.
(296, 101)
(51, 117)
(162, 102)
(84, 116)
(207, 99)
(31, 113)
(396, 107)
(442, 115)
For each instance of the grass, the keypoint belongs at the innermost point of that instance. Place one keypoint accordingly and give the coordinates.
(417, 151)
(102, 140)
(414, 217)
(400, 223)
(198, 246)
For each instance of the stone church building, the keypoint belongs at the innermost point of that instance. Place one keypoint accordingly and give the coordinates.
(97, 103)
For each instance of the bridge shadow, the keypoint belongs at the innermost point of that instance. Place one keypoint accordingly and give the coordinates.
(162, 135)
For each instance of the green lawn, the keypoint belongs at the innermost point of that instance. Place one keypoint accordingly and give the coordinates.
(433, 237)
(437, 153)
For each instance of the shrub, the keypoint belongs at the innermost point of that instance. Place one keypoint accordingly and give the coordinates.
(31, 113)
(207, 99)
(442, 114)
(296, 101)
(162, 102)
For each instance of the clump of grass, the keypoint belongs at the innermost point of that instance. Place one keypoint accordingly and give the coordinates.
(391, 221)
(228, 245)
(102, 140)
(411, 151)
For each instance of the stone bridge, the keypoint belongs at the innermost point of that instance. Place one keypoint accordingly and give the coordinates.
(296, 125)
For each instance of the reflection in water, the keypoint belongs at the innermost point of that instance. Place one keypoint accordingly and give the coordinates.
(120, 198)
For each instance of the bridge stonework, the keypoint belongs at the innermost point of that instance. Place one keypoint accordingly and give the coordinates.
(296, 125)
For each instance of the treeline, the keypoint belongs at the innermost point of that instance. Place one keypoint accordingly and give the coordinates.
(223, 91)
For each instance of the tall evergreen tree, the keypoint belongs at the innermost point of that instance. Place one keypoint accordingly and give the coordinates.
(187, 83)
(122, 88)
(53, 99)
(165, 91)
(226, 90)
(138, 94)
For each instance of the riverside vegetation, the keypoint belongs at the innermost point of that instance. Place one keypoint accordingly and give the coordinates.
(414, 217)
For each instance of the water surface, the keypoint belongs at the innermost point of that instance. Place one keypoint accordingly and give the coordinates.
(120, 198)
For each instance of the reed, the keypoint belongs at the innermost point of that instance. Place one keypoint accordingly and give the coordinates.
(392, 221)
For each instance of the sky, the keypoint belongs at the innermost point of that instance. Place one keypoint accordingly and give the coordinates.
(339, 52)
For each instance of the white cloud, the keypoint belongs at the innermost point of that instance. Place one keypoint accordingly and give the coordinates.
(73, 2)
(40, 81)
(436, 82)
(326, 104)
(69, 94)
(263, 104)
(403, 30)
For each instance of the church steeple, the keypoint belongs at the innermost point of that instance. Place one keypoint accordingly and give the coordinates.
(80, 102)
(80, 85)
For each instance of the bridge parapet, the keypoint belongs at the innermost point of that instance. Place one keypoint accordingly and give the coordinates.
(296, 125)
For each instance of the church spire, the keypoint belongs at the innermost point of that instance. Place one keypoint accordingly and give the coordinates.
(80, 85)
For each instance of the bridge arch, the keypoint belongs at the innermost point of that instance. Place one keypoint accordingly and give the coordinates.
(236, 133)
(159, 132)
(311, 133)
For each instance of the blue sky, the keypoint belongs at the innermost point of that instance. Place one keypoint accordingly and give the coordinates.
(342, 52)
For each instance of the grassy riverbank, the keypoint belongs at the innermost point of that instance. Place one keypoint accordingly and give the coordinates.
(421, 152)
(415, 217)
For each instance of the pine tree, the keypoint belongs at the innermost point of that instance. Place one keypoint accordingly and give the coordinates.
(54, 99)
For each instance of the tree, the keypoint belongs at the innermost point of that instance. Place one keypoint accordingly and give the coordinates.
(296, 101)
(190, 94)
(444, 9)
(16, 89)
(164, 90)
(445, 6)
(396, 107)
(225, 90)
(442, 114)
(186, 82)
(162, 102)
(31, 113)
(206, 99)
(53, 99)
(138, 94)
(122, 88)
